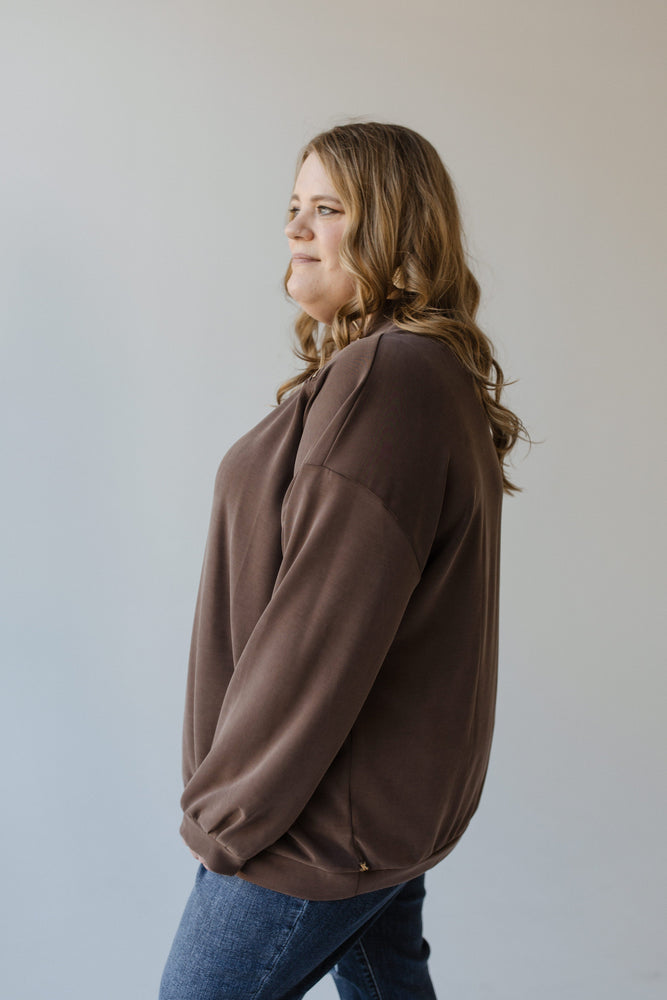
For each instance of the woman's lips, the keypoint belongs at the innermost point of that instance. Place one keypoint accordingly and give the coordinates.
(302, 259)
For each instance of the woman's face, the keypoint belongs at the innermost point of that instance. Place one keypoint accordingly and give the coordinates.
(316, 224)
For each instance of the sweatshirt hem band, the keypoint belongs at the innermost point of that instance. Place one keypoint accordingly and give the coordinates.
(293, 878)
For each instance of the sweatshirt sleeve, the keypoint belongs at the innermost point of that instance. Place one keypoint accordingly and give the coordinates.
(306, 670)
(348, 570)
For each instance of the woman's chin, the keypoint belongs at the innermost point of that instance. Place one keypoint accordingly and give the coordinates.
(311, 309)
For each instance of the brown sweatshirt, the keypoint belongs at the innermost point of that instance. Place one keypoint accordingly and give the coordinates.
(342, 677)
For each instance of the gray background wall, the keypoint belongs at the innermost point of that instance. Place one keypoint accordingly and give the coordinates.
(147, 158)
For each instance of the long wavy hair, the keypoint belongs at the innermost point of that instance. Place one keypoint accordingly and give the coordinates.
(403, 247)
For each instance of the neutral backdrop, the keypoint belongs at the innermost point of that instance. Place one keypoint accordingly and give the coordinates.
(147, 158)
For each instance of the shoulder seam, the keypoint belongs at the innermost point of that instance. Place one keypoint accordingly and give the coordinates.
(356, 482)
(358, 394)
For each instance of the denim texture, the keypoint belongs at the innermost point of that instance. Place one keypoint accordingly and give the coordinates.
(239, 941)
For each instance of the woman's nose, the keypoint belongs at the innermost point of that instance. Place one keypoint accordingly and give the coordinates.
(298, 228)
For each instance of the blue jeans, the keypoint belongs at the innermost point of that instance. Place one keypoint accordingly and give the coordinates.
(239, 941)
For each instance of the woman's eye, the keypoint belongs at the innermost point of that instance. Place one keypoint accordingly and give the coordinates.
(321, 210)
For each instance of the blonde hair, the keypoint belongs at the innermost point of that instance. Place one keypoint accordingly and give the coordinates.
(403, 247)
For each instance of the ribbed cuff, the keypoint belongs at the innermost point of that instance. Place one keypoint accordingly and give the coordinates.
(218, 858)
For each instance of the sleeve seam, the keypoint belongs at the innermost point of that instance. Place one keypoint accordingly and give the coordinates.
(216, 840)
(376, 496)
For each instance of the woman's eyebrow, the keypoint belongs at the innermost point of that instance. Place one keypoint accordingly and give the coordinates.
(319, 197)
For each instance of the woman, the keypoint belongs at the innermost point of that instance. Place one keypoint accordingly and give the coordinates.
(342, 678)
